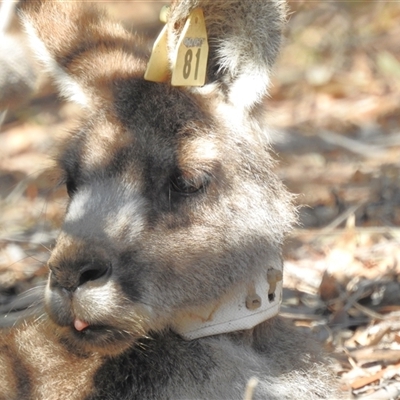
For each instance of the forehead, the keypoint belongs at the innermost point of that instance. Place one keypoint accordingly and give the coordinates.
(143, 105)
(147, 125)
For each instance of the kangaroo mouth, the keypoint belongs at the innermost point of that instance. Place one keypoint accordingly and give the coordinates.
(83, 328)
(103, 339)
(95, 330)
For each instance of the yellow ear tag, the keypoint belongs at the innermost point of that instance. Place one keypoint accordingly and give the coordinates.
(158, 65)
(191, 57)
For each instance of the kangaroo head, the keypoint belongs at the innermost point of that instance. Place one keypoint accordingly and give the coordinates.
(173, 201)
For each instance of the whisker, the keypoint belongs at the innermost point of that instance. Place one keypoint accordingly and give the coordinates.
(45, 247)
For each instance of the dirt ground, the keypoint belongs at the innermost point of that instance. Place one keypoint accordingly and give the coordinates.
(334, 113)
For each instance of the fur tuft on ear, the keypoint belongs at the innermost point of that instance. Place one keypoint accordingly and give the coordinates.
(68, 86)
(244, 39)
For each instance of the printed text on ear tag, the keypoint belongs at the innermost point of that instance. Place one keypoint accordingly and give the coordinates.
(158, 65)
(191, 52)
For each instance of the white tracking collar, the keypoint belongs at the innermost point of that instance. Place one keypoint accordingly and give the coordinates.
(243, 308)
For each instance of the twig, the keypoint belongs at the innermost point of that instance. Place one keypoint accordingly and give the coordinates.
(354, 146)
(339, 219)
(251, 385)
(386, 393)
(377, 230)
(369, 312)
(367, 380)
(372, 354)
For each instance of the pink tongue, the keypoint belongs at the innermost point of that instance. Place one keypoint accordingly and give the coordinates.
(80, 325)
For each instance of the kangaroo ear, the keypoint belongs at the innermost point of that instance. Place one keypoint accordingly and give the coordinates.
(79, 47)
(244, 39)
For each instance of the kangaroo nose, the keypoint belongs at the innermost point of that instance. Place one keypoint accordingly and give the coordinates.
(93, 272)
(74, 276)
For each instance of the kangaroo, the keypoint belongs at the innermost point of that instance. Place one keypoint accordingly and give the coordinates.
(166, 277)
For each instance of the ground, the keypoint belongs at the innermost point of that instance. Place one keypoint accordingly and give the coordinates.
(334, 113)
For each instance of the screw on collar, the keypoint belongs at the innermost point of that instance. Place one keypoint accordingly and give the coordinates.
(253, 302)
(273, 277)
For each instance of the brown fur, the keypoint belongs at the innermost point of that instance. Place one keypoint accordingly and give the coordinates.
(173, 206)
(37, 365)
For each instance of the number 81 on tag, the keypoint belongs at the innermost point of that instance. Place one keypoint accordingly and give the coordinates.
(190, 65)
(187, 67)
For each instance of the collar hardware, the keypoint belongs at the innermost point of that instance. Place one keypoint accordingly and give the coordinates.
(244, 307)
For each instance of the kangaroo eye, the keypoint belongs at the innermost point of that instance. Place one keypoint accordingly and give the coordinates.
(71, 187)
(186, 186)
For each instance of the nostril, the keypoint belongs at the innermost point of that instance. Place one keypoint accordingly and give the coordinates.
(94, 272)
(52, 280)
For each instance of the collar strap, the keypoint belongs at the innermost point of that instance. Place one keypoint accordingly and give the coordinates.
(243, 308)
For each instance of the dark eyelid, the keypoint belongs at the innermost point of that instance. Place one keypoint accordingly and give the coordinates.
(187, 186)
(71, 186)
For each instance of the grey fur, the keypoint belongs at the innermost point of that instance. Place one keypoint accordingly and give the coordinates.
(174, 204)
